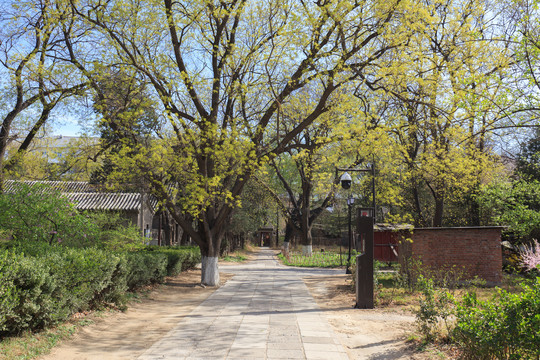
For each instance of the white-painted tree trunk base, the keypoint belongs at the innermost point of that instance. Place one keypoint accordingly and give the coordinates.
(286, 248)
(307, 250)
(209, 271)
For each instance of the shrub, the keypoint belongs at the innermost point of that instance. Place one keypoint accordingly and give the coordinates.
(42, 284)
(39, 213)
(27, 294)
(180, 258)
(85, 276)
(115, 233)
(506, 327)
(145, 267)
(115, 292)
(193, 257)
(436, 306)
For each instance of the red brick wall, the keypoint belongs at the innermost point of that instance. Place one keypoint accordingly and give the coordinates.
(475, 250)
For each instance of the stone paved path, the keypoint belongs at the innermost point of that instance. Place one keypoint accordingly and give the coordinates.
(264, 312)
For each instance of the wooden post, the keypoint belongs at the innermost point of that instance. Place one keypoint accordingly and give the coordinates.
(364, 261)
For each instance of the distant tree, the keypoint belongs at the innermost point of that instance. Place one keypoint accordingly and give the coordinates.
(127, 116)
(126, 110)
(52, 158)
(257, 210)
(515, 204)
(305, 172)
(36, 78)
(528, 160)
(441, 107)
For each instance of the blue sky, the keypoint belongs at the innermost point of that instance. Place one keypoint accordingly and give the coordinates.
(67, 128)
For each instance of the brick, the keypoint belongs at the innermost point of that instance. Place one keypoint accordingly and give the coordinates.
(477, 250)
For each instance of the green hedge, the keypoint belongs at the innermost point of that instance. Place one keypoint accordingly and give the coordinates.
(506, 327)
(180, 258)
(27, 293)
(41, 284)
(145, 268)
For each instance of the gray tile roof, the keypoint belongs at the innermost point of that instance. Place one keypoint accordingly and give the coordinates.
(86, 196)
(105, 201)
(62, 186)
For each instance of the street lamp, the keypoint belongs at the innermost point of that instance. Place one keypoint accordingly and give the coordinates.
(346, 181)
(365, 222)
(350, 202)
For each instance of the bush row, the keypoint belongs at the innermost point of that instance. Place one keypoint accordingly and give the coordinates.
(178, 261)
(41, 284)
(506, 326)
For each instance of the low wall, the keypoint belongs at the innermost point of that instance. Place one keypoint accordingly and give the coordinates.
(474, 250)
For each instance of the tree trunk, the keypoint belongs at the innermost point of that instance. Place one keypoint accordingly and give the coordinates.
(307, 242)
(417, 207)
(167, 230)
(286, 248)
(210, 244)
(210, 271)
(184, 238)
(307, 250)
(474, 217)
(4, 135)
(475, 212)
(439, 210)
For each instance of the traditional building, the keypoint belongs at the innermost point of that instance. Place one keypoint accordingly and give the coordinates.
(136, 208)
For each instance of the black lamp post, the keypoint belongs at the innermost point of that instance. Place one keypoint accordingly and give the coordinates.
(346, 181)
(350, 202)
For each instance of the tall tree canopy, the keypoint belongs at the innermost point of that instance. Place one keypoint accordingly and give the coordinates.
(34, 76)
(440, 108)
(221, 71)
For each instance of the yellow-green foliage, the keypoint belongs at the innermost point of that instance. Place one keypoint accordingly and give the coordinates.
(235, 83)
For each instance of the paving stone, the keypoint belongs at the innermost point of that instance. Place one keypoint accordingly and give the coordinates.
(283, 339)
(285, 353)
(264, 312)
(319, 340)
(322, 347)
(326, 355)
(291, 345)
(248, 353)
(314, 333)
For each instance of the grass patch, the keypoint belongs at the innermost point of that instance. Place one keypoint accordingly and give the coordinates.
(325, 259)
(391, 290)
(31, 345)
(235, 257)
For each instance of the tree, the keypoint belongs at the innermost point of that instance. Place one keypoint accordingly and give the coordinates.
(526, 41)
(31, 48)
(306, 170)
(39, 213)
(442, 106)
(221, 72)
(56, 158)
(528, 161)
(257, 210)
(127, 118)
(515, 204)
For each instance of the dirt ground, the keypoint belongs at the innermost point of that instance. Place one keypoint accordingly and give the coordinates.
(373, 334)
(366, 334)
(126, 335)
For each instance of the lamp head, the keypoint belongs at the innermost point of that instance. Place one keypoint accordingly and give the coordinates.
(346, 181)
